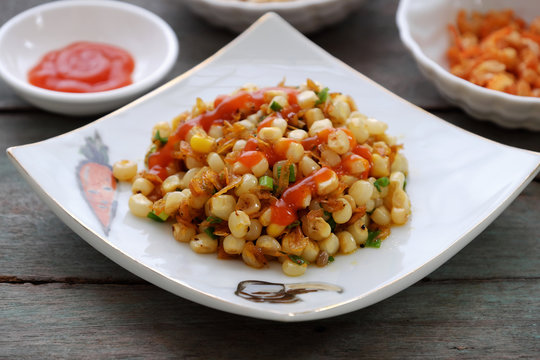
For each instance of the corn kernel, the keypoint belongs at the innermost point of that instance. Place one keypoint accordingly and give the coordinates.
(201, 143)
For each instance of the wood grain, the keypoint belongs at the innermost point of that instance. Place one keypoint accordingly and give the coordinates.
(481, 319)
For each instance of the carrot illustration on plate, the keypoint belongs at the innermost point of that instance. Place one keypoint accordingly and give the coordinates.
(96, 182)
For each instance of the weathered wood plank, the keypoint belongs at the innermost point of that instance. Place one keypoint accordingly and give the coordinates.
(472, 320)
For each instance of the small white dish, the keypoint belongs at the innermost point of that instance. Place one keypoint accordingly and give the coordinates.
(423, 27)
(455, 184)
(305, 15)
(28, 36)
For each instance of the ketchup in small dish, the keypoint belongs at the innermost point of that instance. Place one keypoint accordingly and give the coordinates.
(83, 67)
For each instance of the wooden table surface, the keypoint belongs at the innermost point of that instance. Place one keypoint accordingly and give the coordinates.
(60, 298)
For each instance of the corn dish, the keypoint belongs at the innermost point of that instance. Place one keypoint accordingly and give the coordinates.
(294, 174)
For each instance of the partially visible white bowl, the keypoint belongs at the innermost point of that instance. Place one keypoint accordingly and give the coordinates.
(305, 15)
(423, 27)
(25, 38)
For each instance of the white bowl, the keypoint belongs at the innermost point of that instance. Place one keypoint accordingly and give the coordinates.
(305, 15)
(423, 29)
(25, 38)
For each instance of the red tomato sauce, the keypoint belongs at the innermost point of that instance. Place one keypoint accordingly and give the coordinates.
(225, 108)
(284, 211)
(83, 67)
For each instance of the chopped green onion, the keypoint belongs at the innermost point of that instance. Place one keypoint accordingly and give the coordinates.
(210, 231)
(404, 184)
(373, 240)
(332, 223)
(162, 140)
(297, 259)
(150, 151)
(293, 224)
(292, 174)
(323, 96)
(214, 220)
(381, 182)
(330, 258)
(266, 182)
(159, 218)
(275, 106)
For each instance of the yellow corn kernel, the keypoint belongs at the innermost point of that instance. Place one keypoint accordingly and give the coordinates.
(201, 143)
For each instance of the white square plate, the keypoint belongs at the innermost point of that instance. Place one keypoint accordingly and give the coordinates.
(458, 184)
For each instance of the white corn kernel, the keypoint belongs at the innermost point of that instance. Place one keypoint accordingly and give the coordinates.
(344, 214)
(319, 126)
(216, 131)
(291, 268)
(248, 125)
(359, 231)
(308, 165)
(255, 230)
(239, 223)
(330, 244)
(330, 158)
(164, 129)
(192, 163)
(222, 206)
(358, 128)
(269, 245)
(248, 183)
(361, 191)
(307, 99)
(182, 232)
(399, 216)
(339, 112)
(313, 115)
(203, 244)
(327, 186)
(311, 251)
(400, 164)
(281, 100)
(375, 127)
(215, 162)
(190, 174)
(295, 152)
(274, 230)
(124, 170)
(260, 168)
(297, 134)
(171, 183)
(347, 243)
(248, 203)
(239, 145)
(270, 134)
(338, 141)
(233, 245)
(173, 200)
(139, 205)
(142, 185)
(381, 216)
(316, 229)
(380, 166)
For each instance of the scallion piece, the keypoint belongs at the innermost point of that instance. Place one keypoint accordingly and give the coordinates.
(159, 218)
(214, 220)
(266, 182)
(330, 258)
(293, 224)
(162, 140)
(373, 240)
(292, 174)
(384, 181)
(297, 259)
(210, 231)
(275, 106)
(323, 96)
